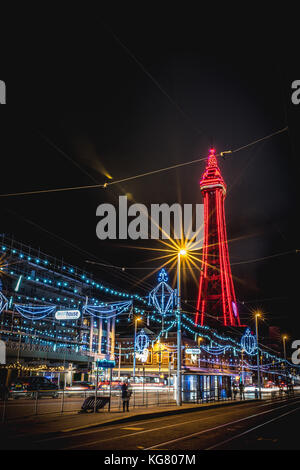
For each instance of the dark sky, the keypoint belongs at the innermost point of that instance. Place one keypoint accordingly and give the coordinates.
(218, 83)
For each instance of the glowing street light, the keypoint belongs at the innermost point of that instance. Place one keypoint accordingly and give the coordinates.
(257, 315)
(284, 338)
(242, 351)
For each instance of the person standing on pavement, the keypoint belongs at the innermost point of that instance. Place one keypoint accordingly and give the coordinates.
(242, 391)
(234, 390)
(125, 396)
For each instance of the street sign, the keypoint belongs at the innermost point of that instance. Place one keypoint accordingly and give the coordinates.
(106, 364)
(193, 351)
(67, 314)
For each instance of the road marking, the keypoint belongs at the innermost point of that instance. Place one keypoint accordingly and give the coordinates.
(86, 430)
(252, 429)
(134, 429)
(213, 429)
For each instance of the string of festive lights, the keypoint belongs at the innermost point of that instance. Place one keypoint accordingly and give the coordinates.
(111, 310)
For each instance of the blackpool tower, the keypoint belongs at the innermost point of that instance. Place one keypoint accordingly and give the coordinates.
(216, 297)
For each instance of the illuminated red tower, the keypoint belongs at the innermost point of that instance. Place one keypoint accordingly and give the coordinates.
(216, 296)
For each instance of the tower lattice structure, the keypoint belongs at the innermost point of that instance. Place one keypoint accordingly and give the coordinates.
(216, 297)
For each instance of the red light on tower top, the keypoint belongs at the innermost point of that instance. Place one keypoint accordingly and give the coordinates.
(212, 177)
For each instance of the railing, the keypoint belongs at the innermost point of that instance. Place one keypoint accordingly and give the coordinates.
(40, 402)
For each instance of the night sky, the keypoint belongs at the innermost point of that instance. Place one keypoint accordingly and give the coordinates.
(79, 110)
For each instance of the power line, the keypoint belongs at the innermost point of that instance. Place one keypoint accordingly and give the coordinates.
(154, 80)
(153, 268)
(65, 155)
(265, 257)
(130, 178)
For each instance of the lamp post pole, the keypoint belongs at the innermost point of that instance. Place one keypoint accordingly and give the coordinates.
(284, 347)
(284, 355)
(178, 397)
(257, 357)
(134, 351)
(120, 353)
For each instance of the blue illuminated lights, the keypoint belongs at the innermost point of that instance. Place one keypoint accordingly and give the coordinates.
(3, 302)
(18, 283)
(162, 297)
(142, 341)
(108, 310)
(163, 276)
(161, 300)
(35, 312)
(248, 342)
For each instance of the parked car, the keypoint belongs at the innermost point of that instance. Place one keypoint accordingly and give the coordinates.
(33, 387)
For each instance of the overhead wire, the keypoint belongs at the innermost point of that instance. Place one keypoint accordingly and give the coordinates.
(141, 175)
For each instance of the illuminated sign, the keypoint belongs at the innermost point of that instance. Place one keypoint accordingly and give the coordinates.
(193, 351)
(67, 314)
(106, 364)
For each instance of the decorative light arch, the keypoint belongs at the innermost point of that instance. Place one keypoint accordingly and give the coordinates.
(35, 312)
(105, 312)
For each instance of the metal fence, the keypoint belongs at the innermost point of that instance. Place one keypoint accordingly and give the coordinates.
(38, 402)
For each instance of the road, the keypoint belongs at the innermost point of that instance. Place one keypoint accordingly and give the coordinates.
(268, 425)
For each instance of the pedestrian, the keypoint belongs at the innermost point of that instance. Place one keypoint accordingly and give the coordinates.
(125, 396)
(234, 390)
(242, 391)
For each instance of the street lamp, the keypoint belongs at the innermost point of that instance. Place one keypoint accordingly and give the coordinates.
(242, 366)
(181, 252)
(284, 338)
(257, 315)
(134, 350)
(200, 338)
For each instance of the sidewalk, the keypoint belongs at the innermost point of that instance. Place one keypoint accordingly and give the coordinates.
(49, 424)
